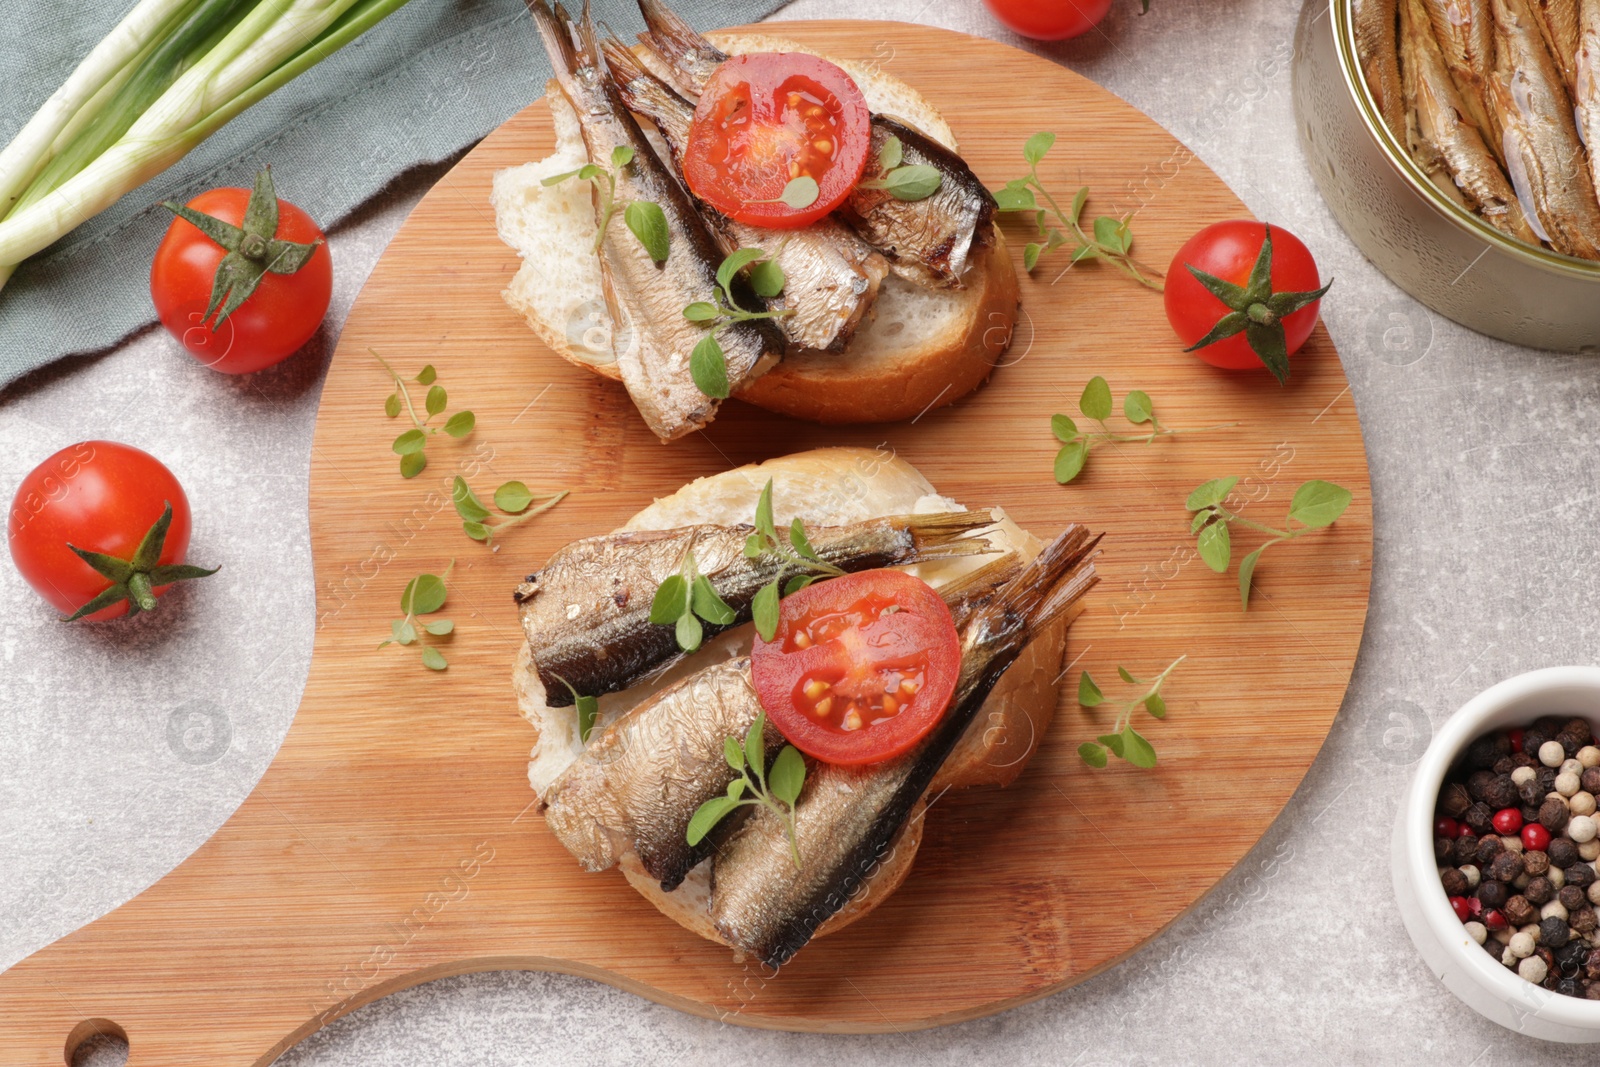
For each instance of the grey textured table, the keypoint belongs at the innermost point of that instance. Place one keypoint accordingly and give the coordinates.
(1486, 536)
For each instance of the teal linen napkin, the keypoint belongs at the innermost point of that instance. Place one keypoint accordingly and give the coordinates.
(432, 78)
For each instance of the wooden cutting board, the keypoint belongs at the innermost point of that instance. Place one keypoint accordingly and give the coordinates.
(392, 842)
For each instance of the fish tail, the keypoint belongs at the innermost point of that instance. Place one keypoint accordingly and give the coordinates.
(554, 29)
(963, 593)
(675, 40)
(945, 534)
(642, 91)
(1055, 580)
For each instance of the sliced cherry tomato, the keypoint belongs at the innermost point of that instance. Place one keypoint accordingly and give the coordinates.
(861, 667)
(275, 321)
(105, 499)
(1229, 251)
(1050, 20)
(767, 118)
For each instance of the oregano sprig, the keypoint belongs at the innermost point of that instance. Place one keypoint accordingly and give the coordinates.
(684, 599)
(1315, 505)
(588, 709)
(514, 499)
(708, 364)
(644, 218)
(776, 788)
(424, 595)
(410, 445)
(1123, 741)
(793, 553)
(1111, 240)
(1095, 404)
(901, 180)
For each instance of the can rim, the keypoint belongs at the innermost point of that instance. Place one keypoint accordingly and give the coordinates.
(1399, 158)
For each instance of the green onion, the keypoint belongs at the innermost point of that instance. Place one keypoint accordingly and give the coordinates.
(170, 75)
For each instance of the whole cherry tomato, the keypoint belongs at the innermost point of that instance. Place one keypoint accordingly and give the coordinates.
(285, 307)
(106, 502)
(1263, 327)
(1050, 20)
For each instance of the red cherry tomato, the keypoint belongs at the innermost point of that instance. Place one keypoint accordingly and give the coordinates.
(1507, 821)
(1050, 20)
(278, 318)
(861, 667)
(1229, 250)
(101, 497)
(1445, 826)
(767, 118)
(1535, 838)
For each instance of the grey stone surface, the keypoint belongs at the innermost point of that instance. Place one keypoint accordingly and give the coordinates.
(1485, 499)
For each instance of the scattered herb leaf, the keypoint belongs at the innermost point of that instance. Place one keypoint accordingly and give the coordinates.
(515, 499)
(1124, 741)
(1316, 505)
(423, 595)
(1096, 404)
(411, 444)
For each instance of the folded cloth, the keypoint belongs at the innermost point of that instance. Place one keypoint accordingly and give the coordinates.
(432, 78)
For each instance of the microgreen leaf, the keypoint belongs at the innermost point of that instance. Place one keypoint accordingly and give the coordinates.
(797, 583)
(1113, 742)
(764, 610)
(1126, 675)
(708, 366)
(1200, 519)
(798, 538)
(424, 595)
(649, 224)
(621, 156)
(1210, 493)
(912, 183)
(477, 531)
(1089, 694)
(733, 752)
(800, 193)
(1079, 200)
(1096, 400)
(1070, 461)
(1037, 146)
(439, 627)
(588, 708)
(1155, 705)
(1317, 504)
(412, 464)
(1216, 546)
(755, 751)
(427, 375)
(468, 506)
(1136, 750)
(513, 498)
(404, 633)
(787, 775)
(707, 816)
(708, 605)
(701, 311)
(391, 406)
(764, 524)
(1136, 407)
(1094, 755)
(767, 278)
(460, 424)
(1016, 199)
(437, 399)
(736, 262)
(1123, 740)
(1030, 255)
(689, 632)
(890, 155)
(1247, 574)
(671, 600)
(433, 659)
(1065, 429)
(411, 441)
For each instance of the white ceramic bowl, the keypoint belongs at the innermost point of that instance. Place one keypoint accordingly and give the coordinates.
(1449, 951)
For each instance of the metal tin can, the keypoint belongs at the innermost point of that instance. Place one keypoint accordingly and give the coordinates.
(1431, 247)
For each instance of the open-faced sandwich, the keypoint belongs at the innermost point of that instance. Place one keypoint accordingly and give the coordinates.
(794, 231)
(744, 695)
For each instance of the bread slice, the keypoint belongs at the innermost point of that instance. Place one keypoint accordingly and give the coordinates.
(921, 348)
(827, 486)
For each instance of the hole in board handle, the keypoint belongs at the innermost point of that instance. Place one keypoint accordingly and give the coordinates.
(96, 1043)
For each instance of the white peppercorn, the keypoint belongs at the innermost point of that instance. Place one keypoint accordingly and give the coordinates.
(1551, 754)
(1581, 803)
(1512, 842)
(1521, 881)
(1582, 828)
(1553, 910)
(1503, 935)
(1521, 776)
(1533, 968)
(1589, 756)
(1589, 850)
(1521, 946)
(1508, 957)
(1570, 766)
(1567, 783)
(1594, 894)
(1473, 875)
(1477, 931)
(1557, 876)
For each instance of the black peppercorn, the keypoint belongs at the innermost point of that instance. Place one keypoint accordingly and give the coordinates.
(1505, 867)
(1579, 728)
(1549, 724)
(1492, 893)
(1553, 814)
(1546, 778)
(1583, 921)
(1479, 818)
(1591, 965)
(1504, 765)
(1567, 987)
(1454, 882)
(1478, 781)
(1519, 911)
(1501, 792)
(1589, 780)
(1443, 850)
(1553, 933)
(1529, 813)
(1563, 853)
(1570, 958)
(1571, 897)
(1531, 795)
(1522, 759)
(1488, 848)
(1580, 875)
(1455, 800)
(1466, 851)
(1535, 863)
(1481, 753)
(1539, 891)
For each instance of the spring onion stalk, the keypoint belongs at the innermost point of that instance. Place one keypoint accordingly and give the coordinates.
(217, 58)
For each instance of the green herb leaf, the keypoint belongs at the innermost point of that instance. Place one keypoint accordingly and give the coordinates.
(912, 183)
(1210, 494)
(797, 583)
(391, 406)
(764, 610)
(737, 787)
(1317, 504)
(426, 375)
(412, 464)
(468, 506)
(1094, 755)
(1155, 705)
(1247, 574)
(437, 399)
(439, 627)
(1123, 673)
(649, 224)
(801, 192)
(1216, 546)
(767, 278)
(764, 524)
(433, 659)
(1136, 407)
(733, 753)
(1136, 750)
(890, 155)
(1037, 146)
(404, 633)
(801, 543)
(1019, 198)
(1113, 234)
(1070, 461)
(1096, 400)
(411, 441)
(460, 424)
(1065, 429)
(707, 816)
(708, 605)
(1030, 255)
(1200, 519)
(513, 498)
(477, 531)
(424, 595)
(701, 311)
(1079, 200)
(671, 600)
(755, 751)
(788, 775)
(689, 632)
(1113, 742)
(621, 156)
(709, 368)
(736, 262)
(1089, 694)
(557, 179)
(590, 171)
(588, 713)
